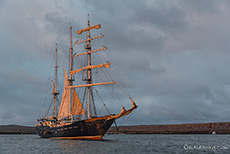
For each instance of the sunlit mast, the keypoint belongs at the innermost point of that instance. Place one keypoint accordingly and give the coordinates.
(89, 77)
(88, 67)
(89, 73)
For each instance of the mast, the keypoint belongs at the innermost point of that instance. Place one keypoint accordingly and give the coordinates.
(88, 47)
(55, 85)
(89, 67)
(71, 66)
(71, 55)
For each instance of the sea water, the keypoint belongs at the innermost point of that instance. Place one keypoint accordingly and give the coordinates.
(120, 144)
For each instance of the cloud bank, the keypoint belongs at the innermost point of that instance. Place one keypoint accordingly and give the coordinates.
(172, 55)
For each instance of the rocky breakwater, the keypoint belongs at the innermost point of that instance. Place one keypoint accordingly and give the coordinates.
(15, 129)
(200, 128)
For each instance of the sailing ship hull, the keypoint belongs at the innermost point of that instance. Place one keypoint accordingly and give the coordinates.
(85, 129)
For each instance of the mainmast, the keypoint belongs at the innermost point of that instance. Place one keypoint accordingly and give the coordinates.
(88, 48)
(88, 67)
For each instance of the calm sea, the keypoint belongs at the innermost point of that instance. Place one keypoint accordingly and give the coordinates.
(14, 144)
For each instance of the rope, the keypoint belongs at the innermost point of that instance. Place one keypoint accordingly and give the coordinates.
(123, 91)
(102, 101)
(113, 97)
(127, 117)
(116, 126)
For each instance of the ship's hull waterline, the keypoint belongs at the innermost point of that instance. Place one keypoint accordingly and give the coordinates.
(93, 129)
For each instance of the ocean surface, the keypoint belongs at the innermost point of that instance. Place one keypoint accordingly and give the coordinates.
(120, 144)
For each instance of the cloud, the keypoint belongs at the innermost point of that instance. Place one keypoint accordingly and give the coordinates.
(171, 55)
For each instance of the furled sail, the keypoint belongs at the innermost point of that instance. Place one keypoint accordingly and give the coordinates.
(77, 108)
(106, 65)
(89, 28)
(64, 110)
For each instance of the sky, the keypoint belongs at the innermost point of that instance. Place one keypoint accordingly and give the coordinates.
(173, 56)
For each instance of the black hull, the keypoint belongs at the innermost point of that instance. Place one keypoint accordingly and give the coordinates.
(84, 129)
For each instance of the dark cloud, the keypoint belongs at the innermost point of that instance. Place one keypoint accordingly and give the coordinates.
(171, 55)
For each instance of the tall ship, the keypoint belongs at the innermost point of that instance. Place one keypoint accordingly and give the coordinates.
(75, 116)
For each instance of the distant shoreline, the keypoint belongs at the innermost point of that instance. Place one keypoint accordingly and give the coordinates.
(16, 129)
(197, 128)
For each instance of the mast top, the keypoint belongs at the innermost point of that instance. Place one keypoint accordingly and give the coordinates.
(88, 20)
(89, 27)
